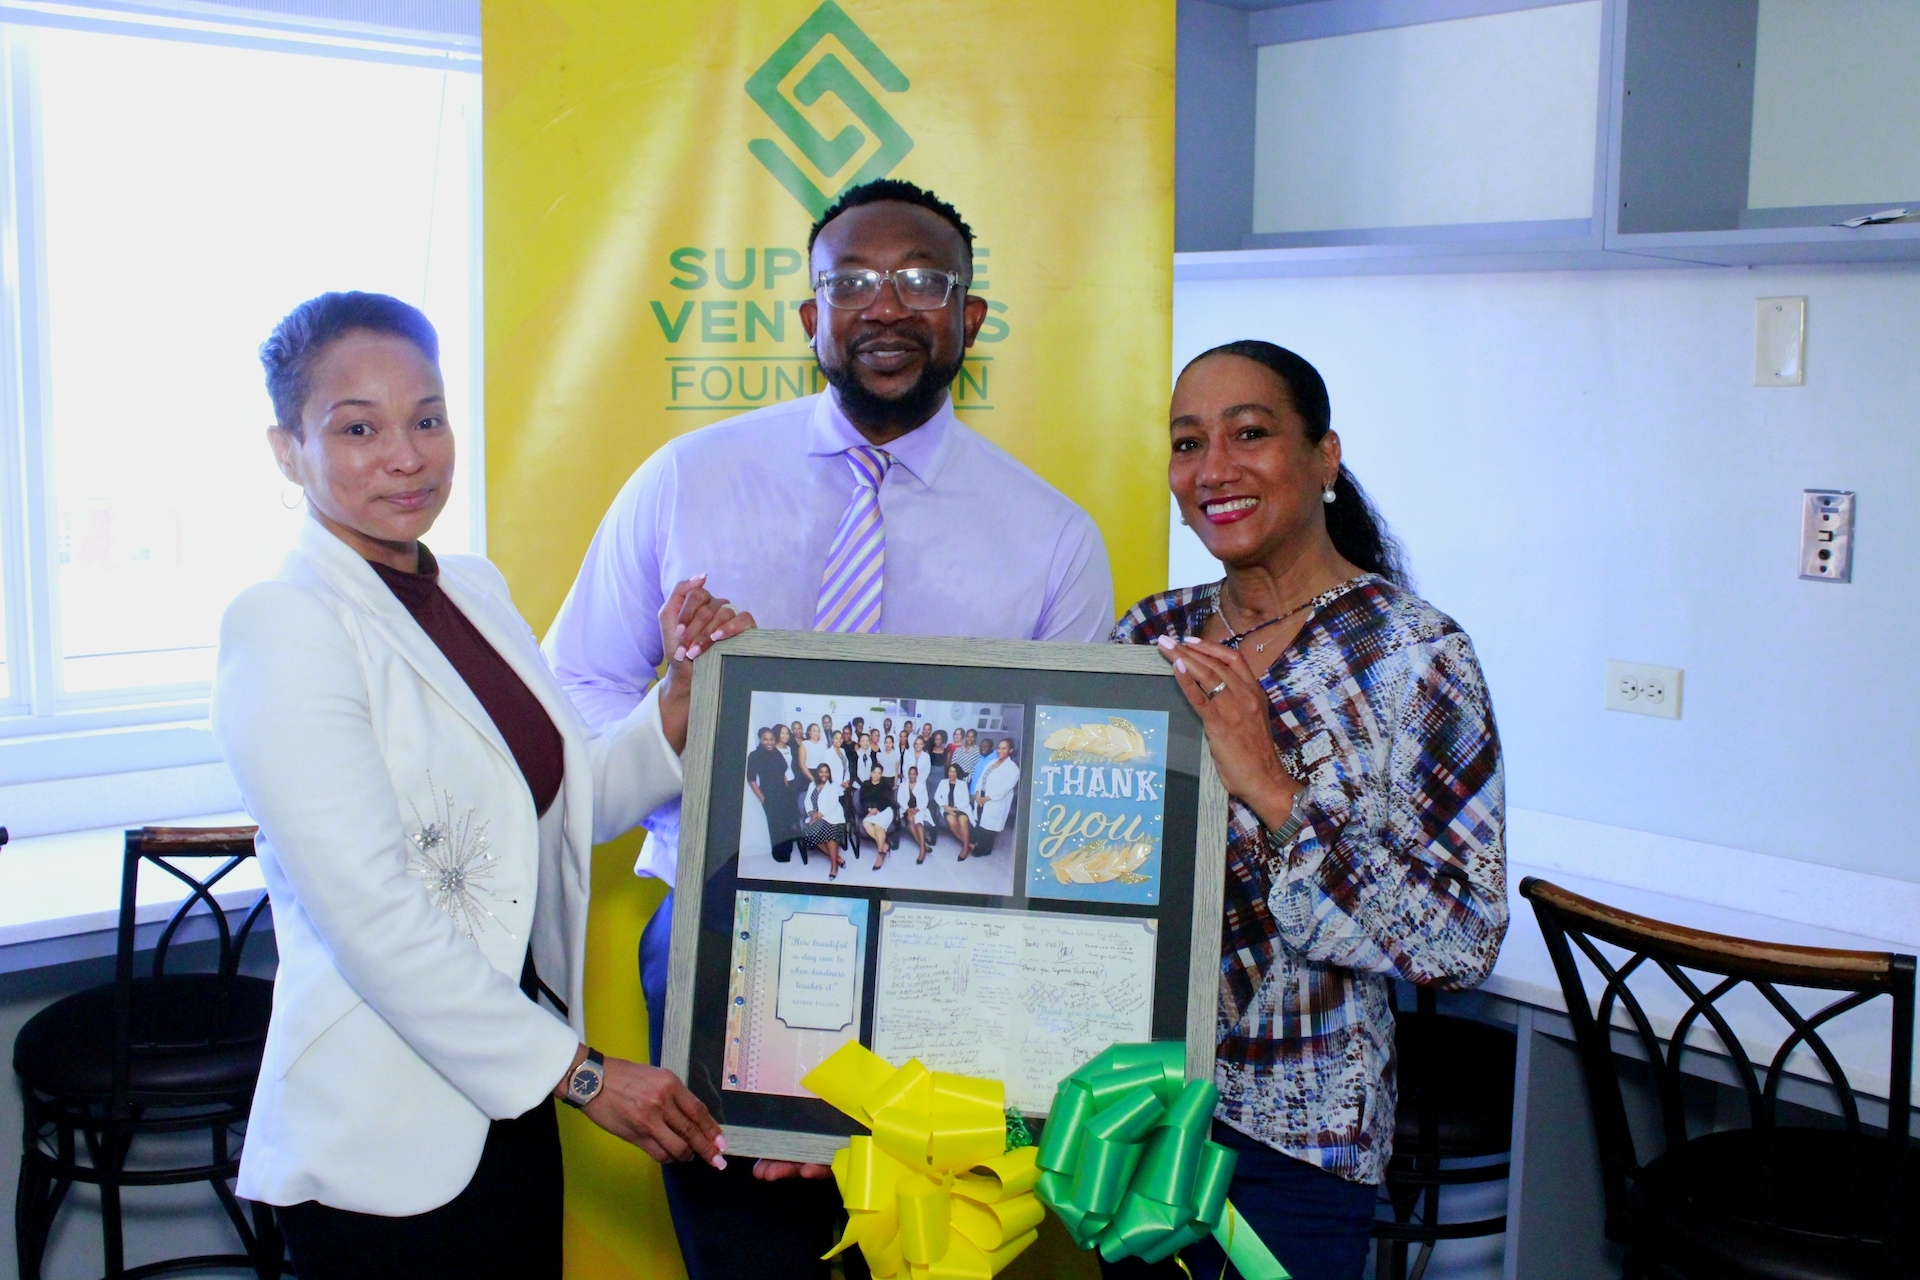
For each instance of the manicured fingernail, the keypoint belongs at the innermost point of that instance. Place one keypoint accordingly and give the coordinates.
(718, 635)
(693, 653)
(699, 577)
(680, 631)
(720, 1142)
(1180, 666)
(1190, 640)
(719, 1162)
(1165, 642)
(680, 654)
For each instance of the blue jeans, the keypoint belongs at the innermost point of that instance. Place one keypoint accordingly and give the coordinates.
(730, 1225)
(1318, 1225)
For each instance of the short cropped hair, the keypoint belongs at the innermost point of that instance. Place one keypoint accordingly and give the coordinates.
(882, 189)
(290, 351)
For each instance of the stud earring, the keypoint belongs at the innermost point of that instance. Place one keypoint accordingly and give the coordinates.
(1183, 520)
(1327, 495)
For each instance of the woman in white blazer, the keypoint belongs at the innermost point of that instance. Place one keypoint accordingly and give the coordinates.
(954, 801)
(917, 810)
(995, 780)
(428, 801)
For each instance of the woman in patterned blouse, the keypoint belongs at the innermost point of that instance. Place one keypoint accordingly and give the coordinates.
(1352, 728)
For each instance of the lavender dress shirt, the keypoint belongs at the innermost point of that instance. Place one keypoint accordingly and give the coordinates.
(753, 502)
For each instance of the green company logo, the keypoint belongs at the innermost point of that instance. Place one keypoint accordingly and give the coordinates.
(829, 75)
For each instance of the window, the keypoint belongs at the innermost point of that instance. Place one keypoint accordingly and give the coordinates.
(173, 187)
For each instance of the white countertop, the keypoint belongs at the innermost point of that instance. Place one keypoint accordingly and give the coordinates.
(59, 900)
(1721, 890)
(66, 889)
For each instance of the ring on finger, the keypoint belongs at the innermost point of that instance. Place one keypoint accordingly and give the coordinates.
(1216, 691)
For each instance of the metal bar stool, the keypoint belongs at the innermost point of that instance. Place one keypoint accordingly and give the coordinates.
(1764, 1202)
(167, 1053)
(1456, 1111)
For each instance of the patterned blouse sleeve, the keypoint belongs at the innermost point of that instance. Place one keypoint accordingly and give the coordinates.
(1399, 864)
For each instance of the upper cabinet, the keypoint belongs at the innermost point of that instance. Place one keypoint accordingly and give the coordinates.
(1365, 136)
(1748, 130)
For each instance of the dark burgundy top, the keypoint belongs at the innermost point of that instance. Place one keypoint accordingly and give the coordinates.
(530, 733)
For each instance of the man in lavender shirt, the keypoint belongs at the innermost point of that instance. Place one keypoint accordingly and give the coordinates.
(756, 503)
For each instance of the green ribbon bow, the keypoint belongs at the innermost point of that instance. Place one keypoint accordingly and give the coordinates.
(1128, 1167)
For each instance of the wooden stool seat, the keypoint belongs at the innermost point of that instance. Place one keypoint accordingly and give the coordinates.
(1767, 1201)
(112, 1076)
(1474, 1111)
(1455, 1081)
(195, 1036)
(1697, 1206)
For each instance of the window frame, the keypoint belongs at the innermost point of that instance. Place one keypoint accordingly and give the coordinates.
(47, 735)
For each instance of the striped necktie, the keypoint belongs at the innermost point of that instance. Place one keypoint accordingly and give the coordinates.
(850, 587)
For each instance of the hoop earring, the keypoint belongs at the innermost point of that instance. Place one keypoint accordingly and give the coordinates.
(1327, 495)
(296, 503)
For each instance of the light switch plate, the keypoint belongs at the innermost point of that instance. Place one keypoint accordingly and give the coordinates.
(1779, 342)
(1643, 689)
(1826, 535)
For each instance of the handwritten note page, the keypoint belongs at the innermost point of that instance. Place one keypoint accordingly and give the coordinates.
(1021, 997)
(794, 991)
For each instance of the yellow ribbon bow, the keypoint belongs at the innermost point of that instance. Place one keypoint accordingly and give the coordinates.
(933, 1193)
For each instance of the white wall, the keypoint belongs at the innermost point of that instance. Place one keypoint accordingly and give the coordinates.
(1371, 129)
(1582, 469)
(1835, 98)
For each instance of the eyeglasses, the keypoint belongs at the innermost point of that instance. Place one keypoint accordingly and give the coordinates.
(920, 288)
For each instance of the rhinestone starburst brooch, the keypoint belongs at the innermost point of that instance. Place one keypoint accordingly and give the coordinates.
(454, 859)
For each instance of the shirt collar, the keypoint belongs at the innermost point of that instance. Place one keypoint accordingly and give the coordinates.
(921, 451)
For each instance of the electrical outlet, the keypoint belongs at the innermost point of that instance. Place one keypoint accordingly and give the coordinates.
(1643, 689)
(1826, 535)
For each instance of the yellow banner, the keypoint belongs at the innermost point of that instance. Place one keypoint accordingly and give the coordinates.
(652, 170)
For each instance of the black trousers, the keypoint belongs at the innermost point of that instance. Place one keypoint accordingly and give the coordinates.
(732, 1226)
(506, 1225)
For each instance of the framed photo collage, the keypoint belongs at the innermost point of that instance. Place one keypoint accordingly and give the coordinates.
(998, 857)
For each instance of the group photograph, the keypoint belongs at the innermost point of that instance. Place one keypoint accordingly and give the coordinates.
(884, 792)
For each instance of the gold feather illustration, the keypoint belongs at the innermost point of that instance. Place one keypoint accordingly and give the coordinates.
(1098, 862)
(1116, 740)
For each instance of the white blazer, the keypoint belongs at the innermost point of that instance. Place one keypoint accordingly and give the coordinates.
(994, 785)
(396, 1037)
(953, 795)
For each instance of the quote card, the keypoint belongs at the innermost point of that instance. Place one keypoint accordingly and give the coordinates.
(819, 972)
(1026, 998)
(794, 995)
(1096, 823)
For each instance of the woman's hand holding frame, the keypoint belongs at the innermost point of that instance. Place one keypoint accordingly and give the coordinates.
(1234, 709)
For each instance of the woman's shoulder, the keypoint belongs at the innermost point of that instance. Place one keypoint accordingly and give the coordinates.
(1394, 614)
(1376, 627)
(295, 603)
(1177, 611)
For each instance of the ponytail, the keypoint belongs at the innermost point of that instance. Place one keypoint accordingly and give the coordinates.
(1353, 523)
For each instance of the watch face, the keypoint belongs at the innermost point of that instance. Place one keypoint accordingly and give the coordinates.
(586, 1080)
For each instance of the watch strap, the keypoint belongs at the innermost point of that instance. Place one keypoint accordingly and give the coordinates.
(1279, 840)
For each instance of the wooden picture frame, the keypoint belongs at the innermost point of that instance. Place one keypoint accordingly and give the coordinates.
(1040, 887)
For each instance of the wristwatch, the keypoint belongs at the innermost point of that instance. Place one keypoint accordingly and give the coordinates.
(1280, 839)
(584, 1085)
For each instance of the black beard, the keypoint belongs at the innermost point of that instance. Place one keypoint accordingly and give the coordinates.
(877, 413)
